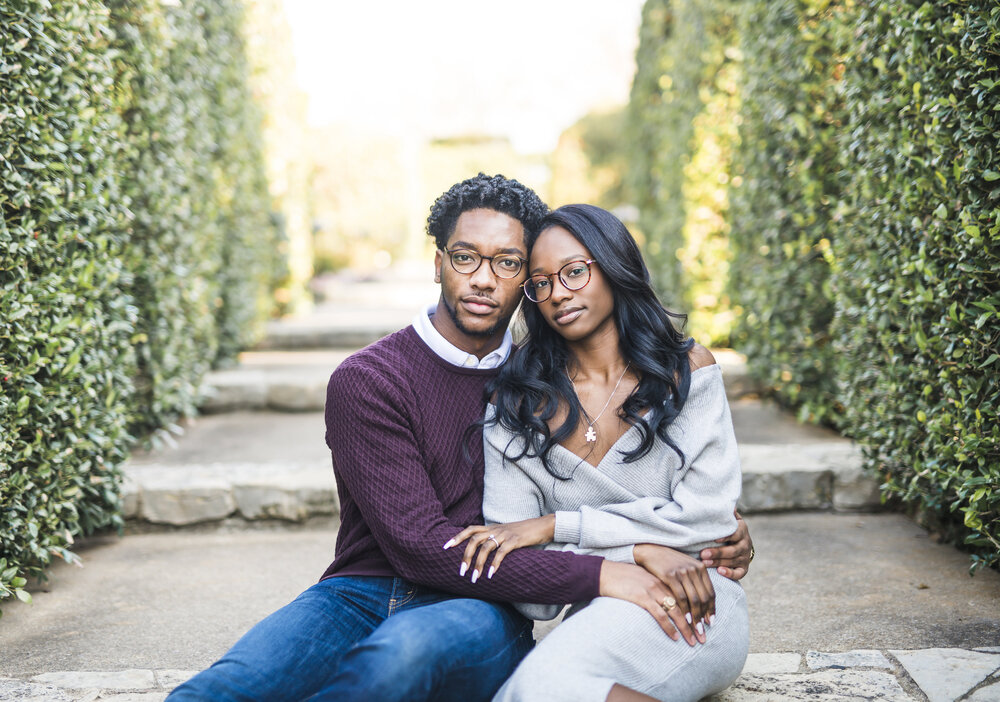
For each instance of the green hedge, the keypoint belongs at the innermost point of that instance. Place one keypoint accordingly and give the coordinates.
(137, 246)
(66, 361)
(681, 129)
(201, 238)
(865, 227)
(785, 209)
(918, 277)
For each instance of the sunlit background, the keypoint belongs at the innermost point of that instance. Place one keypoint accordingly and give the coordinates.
(399, 100)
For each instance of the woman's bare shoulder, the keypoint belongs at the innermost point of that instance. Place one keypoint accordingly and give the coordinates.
(700, 357)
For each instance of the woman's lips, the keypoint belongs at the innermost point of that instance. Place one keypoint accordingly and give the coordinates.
(567, 316)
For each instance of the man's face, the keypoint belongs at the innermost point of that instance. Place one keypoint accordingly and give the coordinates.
(479, 305)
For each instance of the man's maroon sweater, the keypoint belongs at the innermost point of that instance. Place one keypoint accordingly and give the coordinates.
(396, 420)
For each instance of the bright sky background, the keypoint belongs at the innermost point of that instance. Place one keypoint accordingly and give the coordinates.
(525, 69)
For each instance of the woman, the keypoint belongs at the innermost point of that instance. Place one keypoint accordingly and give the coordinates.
(610, 430)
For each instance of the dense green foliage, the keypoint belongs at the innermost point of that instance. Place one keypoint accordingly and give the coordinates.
(134, 247)
(864, 226)
(918, 278)
(201, 238)
(785, 214)
(65, 358)
(681, 131)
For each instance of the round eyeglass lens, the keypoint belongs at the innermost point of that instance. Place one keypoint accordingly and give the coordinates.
(506, 266)
(575, 274)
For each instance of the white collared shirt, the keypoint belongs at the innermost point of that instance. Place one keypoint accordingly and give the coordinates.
(451, 353)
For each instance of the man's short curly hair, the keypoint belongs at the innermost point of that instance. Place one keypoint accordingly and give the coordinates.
(492, 192)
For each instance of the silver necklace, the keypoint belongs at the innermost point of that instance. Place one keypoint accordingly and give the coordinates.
(591, 435)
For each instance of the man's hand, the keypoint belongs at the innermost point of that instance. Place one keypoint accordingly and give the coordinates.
(733, 557)
(687, 577)
(631, 583)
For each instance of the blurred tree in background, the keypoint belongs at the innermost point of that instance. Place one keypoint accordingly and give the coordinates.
(589, 163)
(287, 149)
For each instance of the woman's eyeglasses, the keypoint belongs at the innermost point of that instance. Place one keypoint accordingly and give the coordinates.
(573, 276)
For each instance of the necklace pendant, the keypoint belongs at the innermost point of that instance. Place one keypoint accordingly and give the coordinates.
(591, 435)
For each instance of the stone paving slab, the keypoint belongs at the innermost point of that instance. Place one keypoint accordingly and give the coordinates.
(828, 593)
(275, 465)
(937, 675)
(295, 380)
(774, 478)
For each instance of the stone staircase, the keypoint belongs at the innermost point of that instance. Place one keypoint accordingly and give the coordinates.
(258, 453)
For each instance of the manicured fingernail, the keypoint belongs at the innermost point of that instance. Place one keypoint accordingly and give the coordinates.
(492, 571)
(475, 575)
(451, 542)
(700, 628)
(461, 571)
(688, 617)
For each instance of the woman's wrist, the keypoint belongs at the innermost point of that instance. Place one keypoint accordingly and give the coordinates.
(638, 552)
(549, 523)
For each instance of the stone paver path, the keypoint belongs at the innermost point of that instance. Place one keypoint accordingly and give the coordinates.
(937, 675)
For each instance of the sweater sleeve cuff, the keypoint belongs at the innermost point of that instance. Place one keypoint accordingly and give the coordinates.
(592, 580)
(567, 529)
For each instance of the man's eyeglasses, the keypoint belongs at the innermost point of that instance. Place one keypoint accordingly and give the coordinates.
(573, 276)
(467, 262)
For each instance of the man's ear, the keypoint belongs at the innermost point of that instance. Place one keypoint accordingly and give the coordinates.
(438, 260)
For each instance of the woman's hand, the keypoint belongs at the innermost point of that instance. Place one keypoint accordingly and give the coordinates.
(625, 581)
(500, 539)
(686, 577)
(732, 558)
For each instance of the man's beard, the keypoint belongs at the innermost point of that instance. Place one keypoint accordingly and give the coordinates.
(489, 331)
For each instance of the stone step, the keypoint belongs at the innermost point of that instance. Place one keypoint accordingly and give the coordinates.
(295, 381)
(355, 311)
(842, 607)
(252, 466)
(864, 674)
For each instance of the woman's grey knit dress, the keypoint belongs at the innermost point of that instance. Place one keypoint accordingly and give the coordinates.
(605, 510)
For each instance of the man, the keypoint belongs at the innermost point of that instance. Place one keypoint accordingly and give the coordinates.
(393, 617)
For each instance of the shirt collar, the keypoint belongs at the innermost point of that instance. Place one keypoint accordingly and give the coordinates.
(451, 353)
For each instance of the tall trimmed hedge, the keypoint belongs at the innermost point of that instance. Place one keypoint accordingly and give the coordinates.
(681, 118)
(136, 246)
(790, 177)
(865, 230)
(918, 279)
(66, 362)
(202, 240)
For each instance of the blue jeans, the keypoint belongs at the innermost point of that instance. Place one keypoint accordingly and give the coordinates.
(369, 638)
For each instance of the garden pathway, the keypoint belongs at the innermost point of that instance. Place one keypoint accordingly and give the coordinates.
(234, 518)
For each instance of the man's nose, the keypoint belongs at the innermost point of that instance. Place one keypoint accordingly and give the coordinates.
(483, 278)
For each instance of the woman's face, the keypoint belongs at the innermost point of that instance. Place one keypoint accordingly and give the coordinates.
(574, 314)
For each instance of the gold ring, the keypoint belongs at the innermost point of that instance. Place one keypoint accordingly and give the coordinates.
(752, 553)
(494, 540)
(668, 603)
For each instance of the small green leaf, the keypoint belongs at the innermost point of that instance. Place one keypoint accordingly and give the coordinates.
(992, 359)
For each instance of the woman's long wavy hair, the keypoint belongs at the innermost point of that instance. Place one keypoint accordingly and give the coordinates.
(534, 383)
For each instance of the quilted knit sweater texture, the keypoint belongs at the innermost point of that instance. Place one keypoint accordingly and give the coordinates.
(409, 478)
